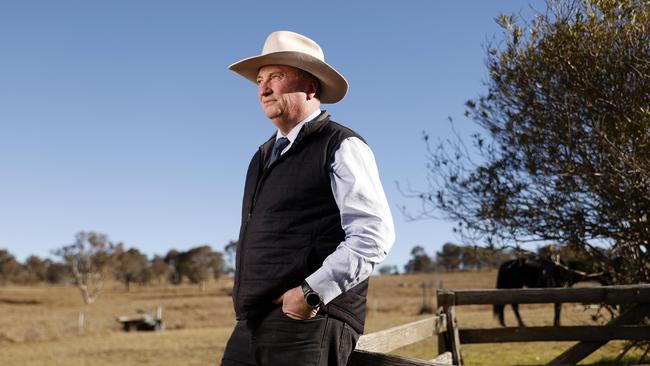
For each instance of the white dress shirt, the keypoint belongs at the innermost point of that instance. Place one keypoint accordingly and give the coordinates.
(365, 217)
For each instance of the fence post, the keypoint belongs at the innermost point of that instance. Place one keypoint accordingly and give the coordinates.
(443, 343)
(426, 307)
(81, 322)
(449, 341)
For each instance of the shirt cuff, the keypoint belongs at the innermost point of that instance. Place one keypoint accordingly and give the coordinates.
(322, 282)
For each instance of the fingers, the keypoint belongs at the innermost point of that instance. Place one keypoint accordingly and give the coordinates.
(296, 316)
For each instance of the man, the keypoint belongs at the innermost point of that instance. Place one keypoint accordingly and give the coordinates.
(315, 220)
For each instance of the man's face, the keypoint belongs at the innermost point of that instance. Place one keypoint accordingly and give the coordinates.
(283, 93)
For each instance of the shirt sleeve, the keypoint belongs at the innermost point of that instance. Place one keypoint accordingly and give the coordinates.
(365, 218)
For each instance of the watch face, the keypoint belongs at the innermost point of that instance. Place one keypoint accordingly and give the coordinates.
(313, 300)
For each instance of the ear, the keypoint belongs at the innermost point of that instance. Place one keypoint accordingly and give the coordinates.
(312, 90)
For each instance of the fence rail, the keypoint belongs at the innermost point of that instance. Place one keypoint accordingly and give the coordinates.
(551, 334)
(606, 294)
(397, 337)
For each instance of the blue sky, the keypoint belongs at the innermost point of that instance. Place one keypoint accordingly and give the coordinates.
(121, 116)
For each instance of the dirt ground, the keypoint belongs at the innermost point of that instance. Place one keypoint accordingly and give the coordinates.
(39, 325)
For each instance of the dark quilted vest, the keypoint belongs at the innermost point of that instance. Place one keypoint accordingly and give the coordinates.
(290, 224)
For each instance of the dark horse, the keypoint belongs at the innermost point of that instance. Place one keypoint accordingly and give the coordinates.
(537, 272)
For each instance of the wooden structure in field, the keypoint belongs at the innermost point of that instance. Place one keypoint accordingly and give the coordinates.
(143, 322)
(372, 348)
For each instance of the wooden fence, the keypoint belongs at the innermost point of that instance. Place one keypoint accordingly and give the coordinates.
(372, 348)
(627, 326)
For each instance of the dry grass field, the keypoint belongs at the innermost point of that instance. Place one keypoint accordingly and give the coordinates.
(39, 325)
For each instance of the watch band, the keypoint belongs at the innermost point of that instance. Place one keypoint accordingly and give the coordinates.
(312, 298)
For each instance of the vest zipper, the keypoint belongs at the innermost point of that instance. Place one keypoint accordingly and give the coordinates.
(240, 257)
(265, 173)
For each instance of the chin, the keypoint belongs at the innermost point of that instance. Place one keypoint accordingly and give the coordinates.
(272, 114)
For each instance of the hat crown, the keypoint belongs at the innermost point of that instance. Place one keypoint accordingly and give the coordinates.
(286, 41)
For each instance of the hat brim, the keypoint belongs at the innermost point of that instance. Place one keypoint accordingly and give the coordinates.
(333, 85)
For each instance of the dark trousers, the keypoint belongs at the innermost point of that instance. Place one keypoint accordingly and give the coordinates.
(278, 340)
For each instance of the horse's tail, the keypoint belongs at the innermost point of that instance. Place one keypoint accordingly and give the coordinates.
(498, 309)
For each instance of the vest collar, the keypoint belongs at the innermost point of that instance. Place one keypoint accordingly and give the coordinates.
(307, 129)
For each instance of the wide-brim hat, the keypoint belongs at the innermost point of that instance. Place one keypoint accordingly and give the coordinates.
(293, 49)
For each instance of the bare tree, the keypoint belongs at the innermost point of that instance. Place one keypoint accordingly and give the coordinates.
(90, 258)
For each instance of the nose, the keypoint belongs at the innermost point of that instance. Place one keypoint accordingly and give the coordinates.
(264, 89)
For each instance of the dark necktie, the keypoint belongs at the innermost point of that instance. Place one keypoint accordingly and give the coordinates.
(280, 144)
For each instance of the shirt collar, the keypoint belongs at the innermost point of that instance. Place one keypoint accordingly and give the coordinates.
(296, 129)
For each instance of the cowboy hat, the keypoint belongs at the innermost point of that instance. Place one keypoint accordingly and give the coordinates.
(296, 50)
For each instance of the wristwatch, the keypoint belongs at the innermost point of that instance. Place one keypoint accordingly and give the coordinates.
(312, 298)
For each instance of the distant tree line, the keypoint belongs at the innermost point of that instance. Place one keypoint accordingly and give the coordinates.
(93, 258)
(453, 257)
